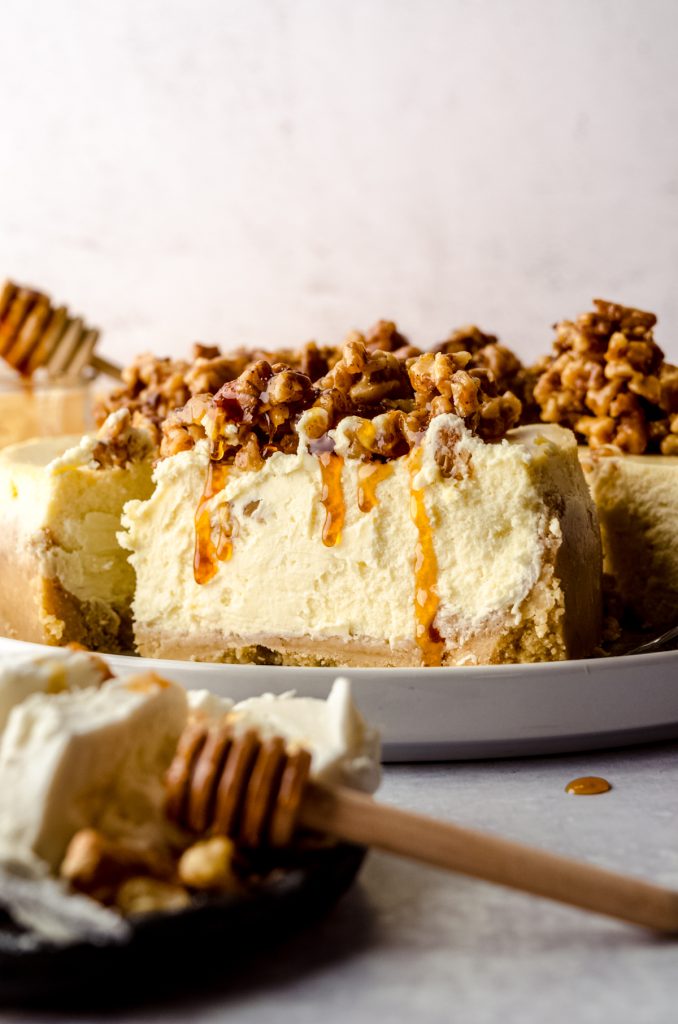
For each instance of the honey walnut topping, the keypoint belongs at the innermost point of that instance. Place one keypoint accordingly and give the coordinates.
(487, 352)
(118, 442)
(393, 397)
(609, 382)
(154, 387)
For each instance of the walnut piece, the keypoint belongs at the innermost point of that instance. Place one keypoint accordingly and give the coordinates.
(608, 381)
(96, 864)
(208, 864)
(146, 895)
(119, 442)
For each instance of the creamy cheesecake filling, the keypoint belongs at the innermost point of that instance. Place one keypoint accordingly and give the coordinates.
(65, 577)
(637, 501)
(296, 556)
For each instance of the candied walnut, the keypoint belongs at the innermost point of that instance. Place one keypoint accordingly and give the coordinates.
(365, 378)
(499, 414)
(249, 456)
(488, 353)
(389, 386)
(608, 381)
(443, 384)
(264, 394)
(118, 442)
(453, 460)
(150, 385)
(313, 360)
(208, 864)
(668, 386)
(145, 895)
(385, 336)
(248, 418)
(96, 864)
(153, 388)
(200, 351)
(465, 339)
(208, 374)
(384, 436)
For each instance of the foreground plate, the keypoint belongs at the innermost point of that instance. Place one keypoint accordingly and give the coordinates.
(470, 712)
(207, 943)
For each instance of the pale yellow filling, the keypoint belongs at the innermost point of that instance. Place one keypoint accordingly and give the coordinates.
(492, 532)
(637, 501)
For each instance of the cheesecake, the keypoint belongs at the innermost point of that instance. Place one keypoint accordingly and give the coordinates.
(637, 501)
(64, 575)
(387, 514)
(608, 379)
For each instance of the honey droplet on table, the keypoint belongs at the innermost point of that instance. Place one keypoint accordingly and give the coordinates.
(207, 556)
(332, 497)
(370, 475)
(588, 785)
(426, 598)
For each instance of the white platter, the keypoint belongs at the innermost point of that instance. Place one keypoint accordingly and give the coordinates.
(471, 712)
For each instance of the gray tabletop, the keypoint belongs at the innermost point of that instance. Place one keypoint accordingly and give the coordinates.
(410, 943)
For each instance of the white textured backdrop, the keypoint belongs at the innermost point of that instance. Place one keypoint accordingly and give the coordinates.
(271, 171)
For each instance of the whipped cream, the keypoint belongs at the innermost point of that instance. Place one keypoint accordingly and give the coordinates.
(344, 749)
(54, 673)
(90, 757)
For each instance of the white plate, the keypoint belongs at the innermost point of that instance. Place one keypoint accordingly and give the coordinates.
(472, 712)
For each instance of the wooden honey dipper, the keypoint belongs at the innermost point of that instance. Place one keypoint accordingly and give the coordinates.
(258, 793)
(35, 334)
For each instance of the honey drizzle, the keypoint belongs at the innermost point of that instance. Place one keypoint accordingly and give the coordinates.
(370, 475)
(207, 557)
(588, 785)
(426, 599)
(332, 497)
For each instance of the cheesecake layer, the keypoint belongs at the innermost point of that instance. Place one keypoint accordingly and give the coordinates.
(316, 560)
(637, 501)
(64, 575)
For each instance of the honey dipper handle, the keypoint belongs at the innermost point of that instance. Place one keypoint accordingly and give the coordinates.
(355, 817)
(103, 365)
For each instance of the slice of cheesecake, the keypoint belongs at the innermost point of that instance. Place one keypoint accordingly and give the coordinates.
(382, 516)
(64, 575)
(637, 501)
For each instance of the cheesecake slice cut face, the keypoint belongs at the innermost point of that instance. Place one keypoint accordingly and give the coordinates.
(458, 551)
(64, 575)
(637, 501)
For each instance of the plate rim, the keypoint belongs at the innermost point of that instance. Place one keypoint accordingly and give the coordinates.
(587, 665)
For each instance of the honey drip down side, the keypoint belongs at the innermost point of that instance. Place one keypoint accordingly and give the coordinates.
(426, 600)
(208, 554)
(370, 475)
(332, 497)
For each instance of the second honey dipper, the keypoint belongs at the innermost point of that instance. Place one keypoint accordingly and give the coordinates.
(35, 335)
(258, 793)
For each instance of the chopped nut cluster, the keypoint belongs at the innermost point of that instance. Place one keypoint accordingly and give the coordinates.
(153, 387)
(487, 352)
(118, 442)
(256, 396)
(609, 382)
(393, 397)
(142, 879)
